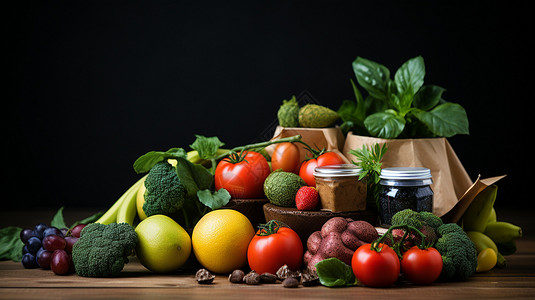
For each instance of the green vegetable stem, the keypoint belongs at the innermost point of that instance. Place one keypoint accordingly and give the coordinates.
(397, 246)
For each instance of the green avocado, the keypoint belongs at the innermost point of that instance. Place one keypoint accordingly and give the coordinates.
(281, 187)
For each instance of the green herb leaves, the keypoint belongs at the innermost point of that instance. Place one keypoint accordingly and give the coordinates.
(400, 108)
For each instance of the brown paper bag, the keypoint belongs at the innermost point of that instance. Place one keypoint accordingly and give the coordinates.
(450, 179)
(331, 139)
(456, 213)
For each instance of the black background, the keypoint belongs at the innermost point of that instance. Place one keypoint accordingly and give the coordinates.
(93, 85)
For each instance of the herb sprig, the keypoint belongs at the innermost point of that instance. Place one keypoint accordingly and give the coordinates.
(369, 160)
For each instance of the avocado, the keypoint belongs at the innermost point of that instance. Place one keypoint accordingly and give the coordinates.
(280, 188)
(317, 116)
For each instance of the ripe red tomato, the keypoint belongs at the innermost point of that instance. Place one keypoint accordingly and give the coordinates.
(244, 179)
(286, 157)
(421, 266)
(270, 250)
(376, 269)
(307, 168)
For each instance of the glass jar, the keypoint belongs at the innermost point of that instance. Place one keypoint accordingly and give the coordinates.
(339, 188)
(402, 188)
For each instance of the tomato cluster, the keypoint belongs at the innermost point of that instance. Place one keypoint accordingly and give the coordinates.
(378, 265)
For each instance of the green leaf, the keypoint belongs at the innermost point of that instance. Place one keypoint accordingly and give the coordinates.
(428, 97)
(194, 177)
(57, 220)
(207, 146)
(386, 125)
(410, 75)
(145, 162)
(445, 120)
(214, 200)
(10, 243)
(333, 272)
(373, 77)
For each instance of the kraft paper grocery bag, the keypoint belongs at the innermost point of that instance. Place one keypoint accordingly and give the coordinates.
(450, 179)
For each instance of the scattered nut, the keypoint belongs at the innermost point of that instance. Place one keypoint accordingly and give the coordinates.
(290, 282)
(309, 277)
(236, 276)
(203, 276)
(285, 272)
(252, 278)
(268, 278)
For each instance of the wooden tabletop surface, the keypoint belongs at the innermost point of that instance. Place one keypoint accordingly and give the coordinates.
(516, 280)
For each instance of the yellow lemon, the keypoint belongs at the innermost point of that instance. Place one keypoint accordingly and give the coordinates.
(164, 246)
(486, 260)
(220, 240)
(140, 200)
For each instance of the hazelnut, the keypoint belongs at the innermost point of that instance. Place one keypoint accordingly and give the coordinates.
(290, 282)
(236, 276)
(268, 278)
(252, 278)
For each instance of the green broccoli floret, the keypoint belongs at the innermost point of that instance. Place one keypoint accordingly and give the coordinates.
(102, 250)
(425, 222)
(165, 193)
(459, 255)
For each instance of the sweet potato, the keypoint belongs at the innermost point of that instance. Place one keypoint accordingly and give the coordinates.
(339, 237)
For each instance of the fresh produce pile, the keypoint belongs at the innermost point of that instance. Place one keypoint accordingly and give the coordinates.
(175, 214)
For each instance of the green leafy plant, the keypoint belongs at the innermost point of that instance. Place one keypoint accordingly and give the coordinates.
(402, 107)
(369, 160)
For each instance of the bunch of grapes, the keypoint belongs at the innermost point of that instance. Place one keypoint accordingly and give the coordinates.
(48, 247)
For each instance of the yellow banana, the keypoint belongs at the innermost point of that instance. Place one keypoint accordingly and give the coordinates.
(492, 216)
(477, 215)
(110, 216)
(502, 232)
(127, 212)
(482, 242)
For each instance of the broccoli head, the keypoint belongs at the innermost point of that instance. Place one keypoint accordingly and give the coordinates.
(459, 255)
(164, 192)
(102, 250)
(426, 222)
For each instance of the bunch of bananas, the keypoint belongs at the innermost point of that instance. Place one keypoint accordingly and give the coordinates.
(124, 210)
(481, 225)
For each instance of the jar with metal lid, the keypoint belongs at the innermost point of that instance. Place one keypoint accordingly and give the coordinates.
(339, 188)
(402, 188)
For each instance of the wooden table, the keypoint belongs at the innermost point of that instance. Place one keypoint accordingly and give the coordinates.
(516, 281)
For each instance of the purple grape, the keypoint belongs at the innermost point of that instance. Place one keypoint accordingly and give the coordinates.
(33, 244)
(29, 261)
(25, 250)
(43, 258)
(26, 234)
(52, 231)
(76, 230)
(70, 242)
(61, 263)
(54, 242)
(39, 230)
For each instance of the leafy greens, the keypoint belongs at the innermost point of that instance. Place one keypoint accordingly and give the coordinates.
(402, 107)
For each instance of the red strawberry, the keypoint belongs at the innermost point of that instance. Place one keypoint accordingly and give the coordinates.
(307, 198)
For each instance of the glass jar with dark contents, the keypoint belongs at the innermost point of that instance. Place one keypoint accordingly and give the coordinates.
(403, 188)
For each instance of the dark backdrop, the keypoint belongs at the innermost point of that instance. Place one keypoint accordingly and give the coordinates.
(93, 85)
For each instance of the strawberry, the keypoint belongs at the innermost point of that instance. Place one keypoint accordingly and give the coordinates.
(307, 198)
